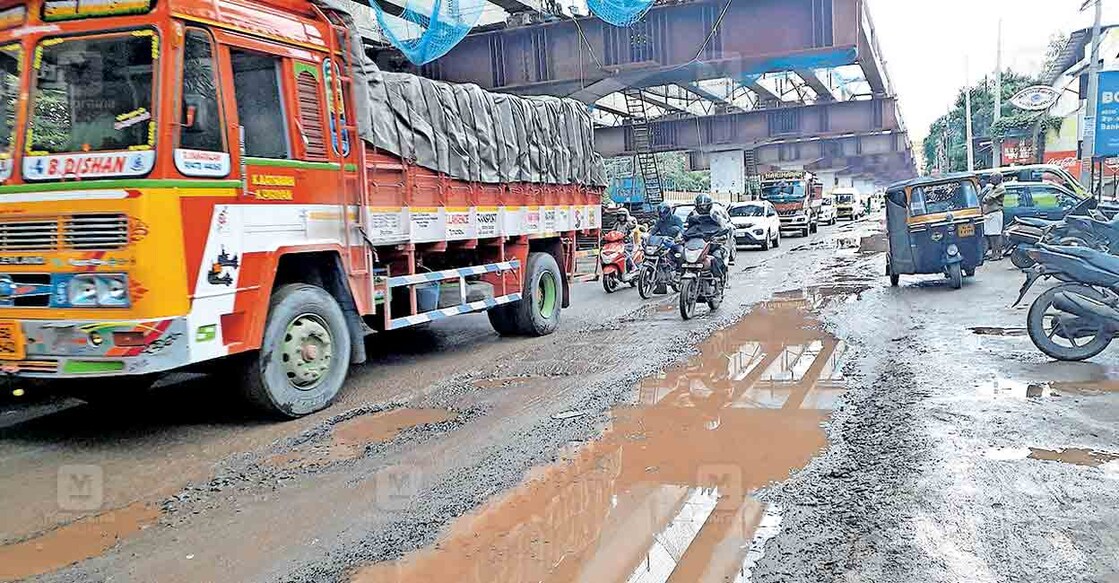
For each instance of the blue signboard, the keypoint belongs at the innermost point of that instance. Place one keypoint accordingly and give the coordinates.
(1107, 116)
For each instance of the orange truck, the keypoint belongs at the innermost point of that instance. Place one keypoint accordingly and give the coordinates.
(231, 185)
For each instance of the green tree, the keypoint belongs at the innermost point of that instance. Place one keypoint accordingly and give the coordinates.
(953, 123)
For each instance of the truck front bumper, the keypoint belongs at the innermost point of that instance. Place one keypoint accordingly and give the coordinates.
(75, 349)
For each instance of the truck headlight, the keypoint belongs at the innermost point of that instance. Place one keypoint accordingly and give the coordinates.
(92, 290)
(112, 290)
(83, 291)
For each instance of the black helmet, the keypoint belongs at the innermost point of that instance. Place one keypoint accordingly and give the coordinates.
(703, 204)
(663, 210)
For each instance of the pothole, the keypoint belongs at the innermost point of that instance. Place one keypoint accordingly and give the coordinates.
(673, 473)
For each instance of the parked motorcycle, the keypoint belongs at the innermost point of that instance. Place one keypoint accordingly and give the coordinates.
(1077, 319)
(698, 281)
(615, 268)
(658, 272)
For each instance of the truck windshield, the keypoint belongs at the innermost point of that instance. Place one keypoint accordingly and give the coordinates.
(9, 93)
(845, 198)
(942, 198)
(783, 191)
(93, 94)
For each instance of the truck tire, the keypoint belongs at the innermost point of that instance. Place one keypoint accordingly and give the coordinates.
(502, 320)
(304, 357)
(538, 312)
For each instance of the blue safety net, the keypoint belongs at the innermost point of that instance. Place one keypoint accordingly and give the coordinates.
(619, 12)
(428, 29)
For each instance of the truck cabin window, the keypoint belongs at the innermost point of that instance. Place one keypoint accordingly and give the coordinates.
(256, 86)
(9, 94)
(200, 117)
(93, 94)
(783, 192)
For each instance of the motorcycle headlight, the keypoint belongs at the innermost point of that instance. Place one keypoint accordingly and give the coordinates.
(692, 255)
(109, 290)
(953, 249)
(652, 250)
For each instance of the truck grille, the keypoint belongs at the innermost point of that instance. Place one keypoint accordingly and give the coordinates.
(77, 232)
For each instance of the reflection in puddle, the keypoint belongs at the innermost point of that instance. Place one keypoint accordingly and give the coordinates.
(349, 438)
(1087, 388)
(77, 541)
(1010, 389)
(664, 494)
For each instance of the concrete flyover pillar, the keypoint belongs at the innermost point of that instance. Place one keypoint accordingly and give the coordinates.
(728, 173)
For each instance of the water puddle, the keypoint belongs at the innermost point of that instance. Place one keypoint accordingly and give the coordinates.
(1010, 389)
(77, 541)
(1077, 457)
(665, 493)
(1092, 458)
(997, 331)
(349, 438)
(1087, 388)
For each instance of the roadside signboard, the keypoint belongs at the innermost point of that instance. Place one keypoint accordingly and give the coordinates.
(1107, 116)
(1035, 98)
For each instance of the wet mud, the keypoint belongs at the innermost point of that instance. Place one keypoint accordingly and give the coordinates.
(1077, 457)
(348, 439)
(665, 494)
(77, 541)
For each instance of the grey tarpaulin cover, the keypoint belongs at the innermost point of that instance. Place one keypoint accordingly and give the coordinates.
(470, 133)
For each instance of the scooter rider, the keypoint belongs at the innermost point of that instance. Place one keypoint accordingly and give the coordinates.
(709, 225)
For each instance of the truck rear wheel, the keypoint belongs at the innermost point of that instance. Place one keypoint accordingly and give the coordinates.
(538, 312)
(305, 355)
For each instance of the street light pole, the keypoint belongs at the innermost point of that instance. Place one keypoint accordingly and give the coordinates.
(1089, 148)
(996, 155)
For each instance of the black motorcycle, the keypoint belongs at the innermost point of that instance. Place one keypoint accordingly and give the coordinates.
(1078, 318)
(658, 272)
(700, 281)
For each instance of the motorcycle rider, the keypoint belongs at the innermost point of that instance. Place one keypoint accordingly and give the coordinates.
(669, 226)
(703, 222)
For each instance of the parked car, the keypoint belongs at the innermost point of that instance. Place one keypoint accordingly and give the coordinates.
(1042, 200)
(756, 223)
(684, 210)
(829, 214)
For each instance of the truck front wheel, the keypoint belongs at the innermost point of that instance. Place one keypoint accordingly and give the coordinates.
(305, 355)
(538, 312)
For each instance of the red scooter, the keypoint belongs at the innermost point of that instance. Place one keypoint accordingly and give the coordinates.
(615, 268)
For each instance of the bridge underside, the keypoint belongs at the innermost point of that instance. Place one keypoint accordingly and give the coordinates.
(791, 80)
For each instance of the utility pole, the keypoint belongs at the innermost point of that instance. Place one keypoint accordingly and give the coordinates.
(967, 113)
(996, 155)
(1089, 149)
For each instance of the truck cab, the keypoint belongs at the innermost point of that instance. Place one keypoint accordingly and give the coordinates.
(850, 203)
(797, 196)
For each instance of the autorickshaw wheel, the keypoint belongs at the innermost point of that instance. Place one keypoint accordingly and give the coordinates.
(305, 355)
(956, 276)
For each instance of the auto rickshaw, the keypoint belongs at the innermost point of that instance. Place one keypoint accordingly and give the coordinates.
(934, 225)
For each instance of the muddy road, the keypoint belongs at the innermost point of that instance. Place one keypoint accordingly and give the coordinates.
(821, 426)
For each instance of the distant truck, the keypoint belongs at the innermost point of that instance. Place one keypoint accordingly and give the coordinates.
(797, 195)
(233, 185)
(851, 204)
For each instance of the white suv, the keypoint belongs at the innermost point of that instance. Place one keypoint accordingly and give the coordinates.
(755, 223)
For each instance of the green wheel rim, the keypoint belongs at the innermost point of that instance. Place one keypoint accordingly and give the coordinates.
(546, 295)
(307, 352)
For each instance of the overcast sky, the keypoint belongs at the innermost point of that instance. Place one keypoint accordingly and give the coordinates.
(926, 58)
